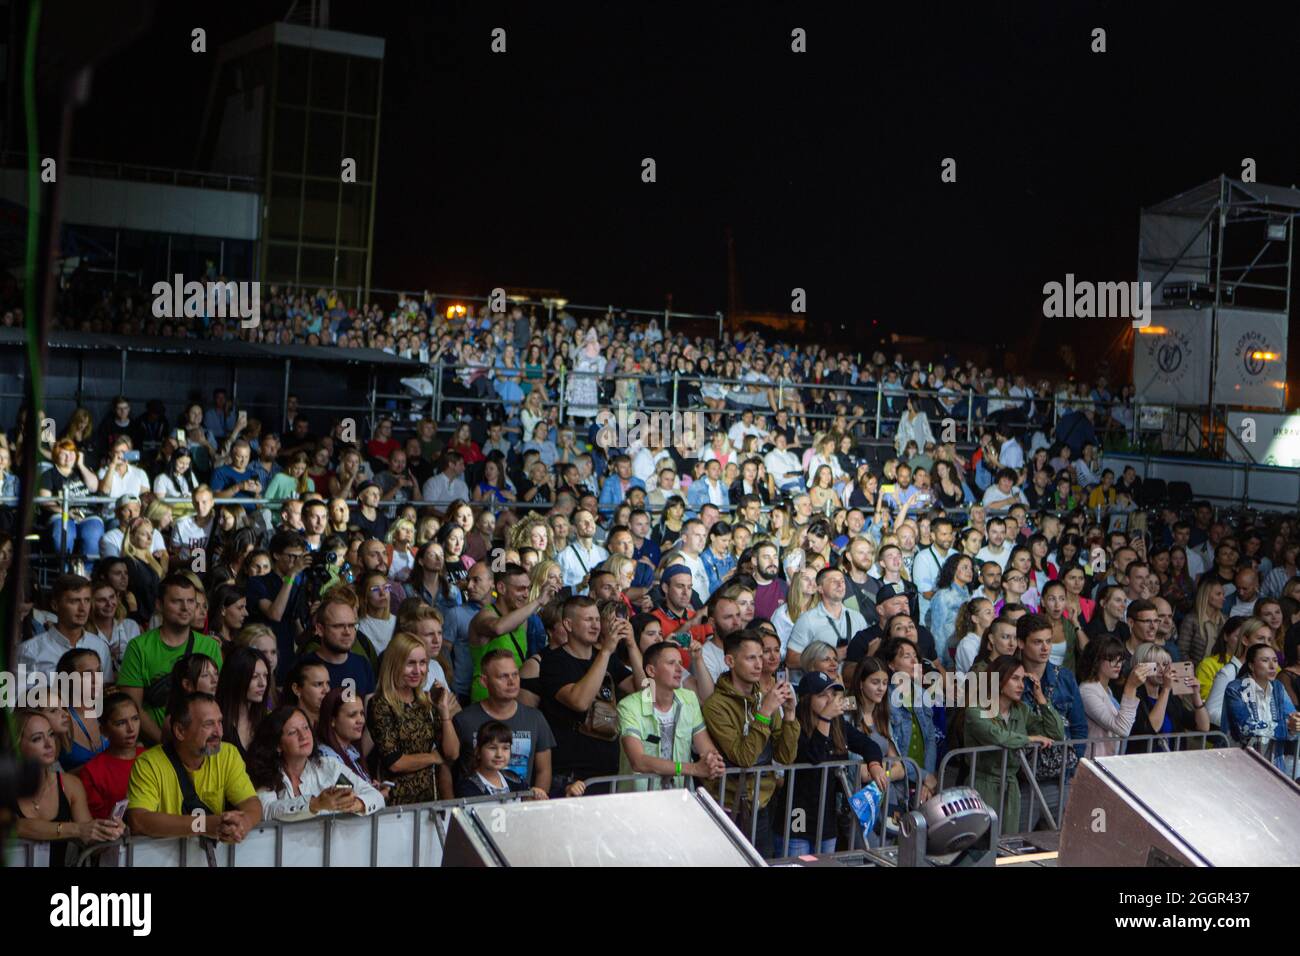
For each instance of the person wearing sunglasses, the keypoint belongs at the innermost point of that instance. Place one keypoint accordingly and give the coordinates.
(1100, 664)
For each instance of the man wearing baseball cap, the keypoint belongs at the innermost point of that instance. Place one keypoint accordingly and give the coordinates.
(127, 510)
(891, 601)
(366, 514)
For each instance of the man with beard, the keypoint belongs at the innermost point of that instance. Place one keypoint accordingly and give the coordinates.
(373, 555)
(771, 590)
(156, 804)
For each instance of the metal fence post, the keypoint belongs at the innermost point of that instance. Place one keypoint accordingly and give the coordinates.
(880, 401)
(970, 414)
(437, 392)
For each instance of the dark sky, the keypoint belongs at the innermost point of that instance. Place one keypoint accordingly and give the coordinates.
(524, 169)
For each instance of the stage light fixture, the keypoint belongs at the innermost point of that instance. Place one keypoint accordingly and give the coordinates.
(1277, 229)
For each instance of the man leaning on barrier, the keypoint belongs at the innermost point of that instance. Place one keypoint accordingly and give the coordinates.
(751, 729)
(215, 784)
(660, 726)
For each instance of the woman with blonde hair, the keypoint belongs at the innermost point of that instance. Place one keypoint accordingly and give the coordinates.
(260, 637)
(375, 620)
(532, 531)
(1201, 627)
(401, 557)
(803, 596)
(427, 530)
(81, 426)
(415, 740)
(781, 530)
(161, 515)
(624, 570)
(820, 656)
(544, 572)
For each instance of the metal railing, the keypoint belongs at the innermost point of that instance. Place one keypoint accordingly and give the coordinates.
(786, 776)
(411, 835)
(1025, 768)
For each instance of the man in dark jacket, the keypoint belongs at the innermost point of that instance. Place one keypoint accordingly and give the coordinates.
(751, 729)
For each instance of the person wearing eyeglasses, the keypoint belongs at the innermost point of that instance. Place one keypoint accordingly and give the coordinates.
(1015, 585)
(1099, 665)
(336, 634)
(376, 621)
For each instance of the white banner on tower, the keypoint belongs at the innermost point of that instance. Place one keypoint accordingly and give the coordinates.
(1171, 358)
(1251, 369)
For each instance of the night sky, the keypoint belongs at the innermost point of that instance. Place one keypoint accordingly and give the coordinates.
(524, 169)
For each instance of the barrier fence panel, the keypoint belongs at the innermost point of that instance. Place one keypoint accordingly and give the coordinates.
(1025, 769)
(399, 836)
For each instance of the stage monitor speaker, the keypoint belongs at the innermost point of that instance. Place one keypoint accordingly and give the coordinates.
(653, 828)
(1227, 807)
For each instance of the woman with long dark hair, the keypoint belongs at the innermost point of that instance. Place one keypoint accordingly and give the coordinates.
(911, 715)
(341, 730)
(1100, 664)
(951, 591)
(295, 781)
(83, 738)
(451, 537)
(227, 612)
(242, 694)
(1066, 642)
(1257, 712)
(429, 580)
(1078, 608)
(870, 697)
(1013, 727)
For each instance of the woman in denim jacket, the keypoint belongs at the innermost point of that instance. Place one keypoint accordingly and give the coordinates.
(1257, 711)
(911, 715)
(951, 591)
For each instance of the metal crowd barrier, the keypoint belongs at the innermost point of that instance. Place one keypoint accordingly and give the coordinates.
(786, 774)
(411, 835)
(1026, 768)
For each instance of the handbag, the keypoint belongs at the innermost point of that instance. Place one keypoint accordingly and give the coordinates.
(601, 721)
(159, 691)
(1050, 762)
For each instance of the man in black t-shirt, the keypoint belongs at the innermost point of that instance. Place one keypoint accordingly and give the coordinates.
(573, 677)
(891, 601)
(274, 599)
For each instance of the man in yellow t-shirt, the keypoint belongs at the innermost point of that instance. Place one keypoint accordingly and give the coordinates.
(155, 800)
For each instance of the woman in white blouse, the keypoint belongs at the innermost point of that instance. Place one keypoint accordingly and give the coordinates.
(1102, 662)
(913, 426)
(295, 781)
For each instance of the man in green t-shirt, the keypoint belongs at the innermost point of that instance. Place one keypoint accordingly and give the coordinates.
(155, 800)
(503, 624)
(154, 653)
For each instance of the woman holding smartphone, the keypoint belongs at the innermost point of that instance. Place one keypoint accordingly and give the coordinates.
(295, 781)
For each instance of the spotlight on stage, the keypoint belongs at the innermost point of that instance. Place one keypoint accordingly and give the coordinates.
(953, 828)
(1277, 228)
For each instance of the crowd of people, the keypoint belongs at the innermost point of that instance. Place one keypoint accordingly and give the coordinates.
(290, 620)
(503, 356)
